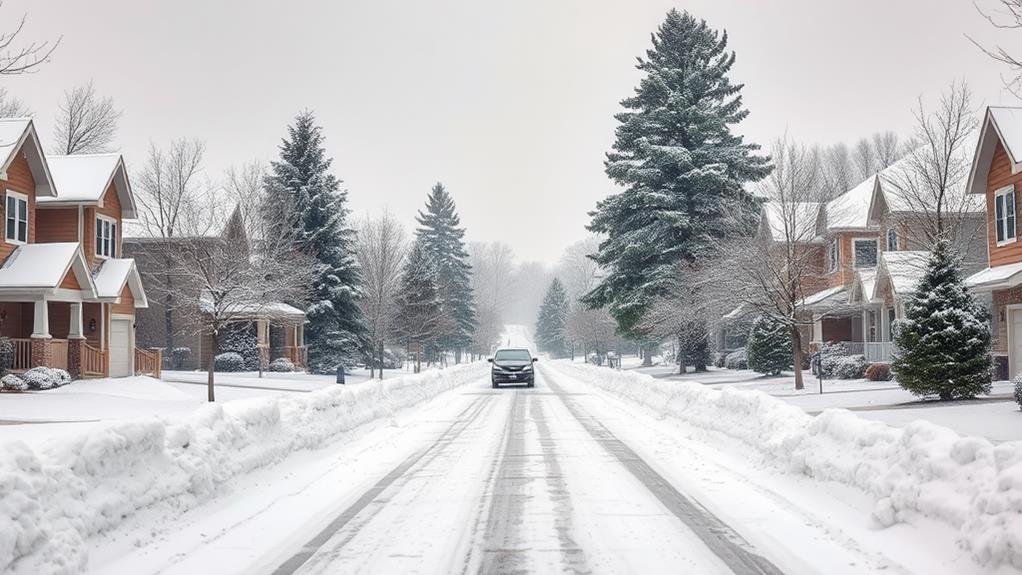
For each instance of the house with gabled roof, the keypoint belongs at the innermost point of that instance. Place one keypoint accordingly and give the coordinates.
(67, 298)
(996, 176)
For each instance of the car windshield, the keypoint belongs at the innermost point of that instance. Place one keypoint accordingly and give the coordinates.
(513, 355)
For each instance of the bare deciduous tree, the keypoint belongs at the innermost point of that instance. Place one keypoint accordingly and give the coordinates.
(929, 182)
(1008, 17)
(169, 194)
(86, 123)
(591, 329)
(11, 107)
(493, 288)
(380, 248)
(24, 58)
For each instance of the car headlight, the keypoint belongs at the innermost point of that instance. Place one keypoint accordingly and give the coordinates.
(527, 368)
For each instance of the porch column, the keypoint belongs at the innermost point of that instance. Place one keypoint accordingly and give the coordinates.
(817, 328)
(40, 353)
(263, 337)
(75, 341)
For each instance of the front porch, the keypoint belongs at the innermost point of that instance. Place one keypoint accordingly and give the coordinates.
(867, 331)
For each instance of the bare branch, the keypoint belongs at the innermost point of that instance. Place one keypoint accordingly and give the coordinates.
(24, 58)
(85, 123)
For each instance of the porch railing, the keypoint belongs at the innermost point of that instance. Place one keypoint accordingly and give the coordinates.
(58, 353)
(879, 351)
(148, 362)
(22, 354)
(297, 354)
(93, 361)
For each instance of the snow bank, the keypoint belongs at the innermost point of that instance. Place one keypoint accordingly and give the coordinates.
(922, 468)
(52, 499)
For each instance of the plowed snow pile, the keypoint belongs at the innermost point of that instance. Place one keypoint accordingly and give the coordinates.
(922, 468)
(53, 498)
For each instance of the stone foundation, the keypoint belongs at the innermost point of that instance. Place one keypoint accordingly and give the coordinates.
(41, 352)
(74, 357)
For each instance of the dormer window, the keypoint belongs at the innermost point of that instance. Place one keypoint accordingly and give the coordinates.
(892, 240)
(832, 256)
(1004, 212)
(864, 253)
(106, 237)
(17, 218)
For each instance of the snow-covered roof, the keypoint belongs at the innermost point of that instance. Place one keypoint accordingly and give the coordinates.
(22, 270)
(85, 178)
(19, 134)
(864, 286)
(277, 310)
(997, 277)
(1000, 124)
(831, 296)
(113, 274)
(792, 221)
(850, 210)
(904, 270)
(896, 184)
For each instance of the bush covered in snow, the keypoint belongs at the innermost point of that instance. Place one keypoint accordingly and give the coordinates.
(57, 495)
(179, 356)
(845, 366)
(718, 359)
(229, 362)
(769, 348)
(45, 378)
(920, 469)
(11, 382)
(282, 364)
(6, 355)
(737, 359)
(241, 339)
(878, 372)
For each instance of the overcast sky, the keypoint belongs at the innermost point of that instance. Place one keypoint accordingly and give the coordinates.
(509, 104)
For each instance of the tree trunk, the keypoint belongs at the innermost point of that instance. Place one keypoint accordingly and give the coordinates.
(647, 355)
(796, 356)
(214, 346)
(381, 360)
(457, 356)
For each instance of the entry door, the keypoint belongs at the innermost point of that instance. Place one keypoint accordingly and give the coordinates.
(120, 348)
(1015, 341)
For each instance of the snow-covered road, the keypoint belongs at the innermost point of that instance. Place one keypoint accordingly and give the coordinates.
(559, 478)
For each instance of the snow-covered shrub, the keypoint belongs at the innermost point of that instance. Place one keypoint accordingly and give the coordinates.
(6, 355)
(769, 348)
(242, 340)
(719, 358)
(230, 361)
(848, 367)
(737, 359)
(835, 355)
(1018, 390)
(878, 372)
(179, 356)
(282, 364)
(11, 382)
(45, 378)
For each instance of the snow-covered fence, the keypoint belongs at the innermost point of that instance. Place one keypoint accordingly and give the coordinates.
(54, 498)
(921, 469)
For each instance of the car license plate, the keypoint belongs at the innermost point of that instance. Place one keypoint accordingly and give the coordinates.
(513, 376)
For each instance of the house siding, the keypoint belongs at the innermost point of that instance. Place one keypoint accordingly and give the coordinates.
(20, 180)
(57, 225)
(1000, 176)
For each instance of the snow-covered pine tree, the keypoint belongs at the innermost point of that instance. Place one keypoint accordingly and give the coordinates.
(550, 325)
(303, 192)
(680, 164)
(420, 312)
(943, 344)
(442, 237)
(241, 339)
(769, 347)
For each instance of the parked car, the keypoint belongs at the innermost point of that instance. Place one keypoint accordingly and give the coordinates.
(513, 365)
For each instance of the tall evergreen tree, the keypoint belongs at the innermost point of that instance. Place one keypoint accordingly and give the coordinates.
(420, 312)
(442, 238)
(944, 341)
(304, 193)
(769, 348)
(681, 166)
(553, 315)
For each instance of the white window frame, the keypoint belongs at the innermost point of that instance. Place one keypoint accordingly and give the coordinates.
(855, 262)
(833, 255)
(107, 241)
(892, 233)
(999, 196)
(19, 198)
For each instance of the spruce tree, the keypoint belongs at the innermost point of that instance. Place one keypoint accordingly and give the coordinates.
(302, 191)
(943, 344)
(442, 237)
(681, 167)
(553, 314)
(420, 312)
(769, 347)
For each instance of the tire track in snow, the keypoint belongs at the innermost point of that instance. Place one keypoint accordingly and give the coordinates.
(720, 538)
(424, 456)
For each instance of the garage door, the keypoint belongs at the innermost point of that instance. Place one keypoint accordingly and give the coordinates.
(120, 348)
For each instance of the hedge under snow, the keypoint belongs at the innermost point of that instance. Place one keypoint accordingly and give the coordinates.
(53, 498)
(921, 469)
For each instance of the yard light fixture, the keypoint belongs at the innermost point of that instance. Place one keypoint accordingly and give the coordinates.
(92, 324)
